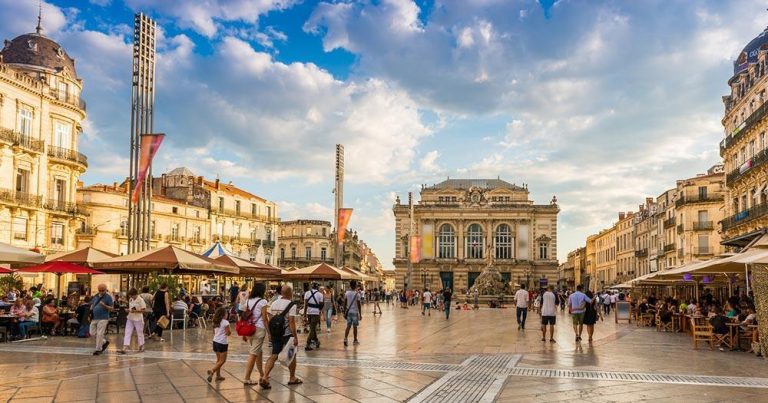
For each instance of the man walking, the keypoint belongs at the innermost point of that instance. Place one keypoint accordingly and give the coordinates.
(548, 314)
(353, 313)
(521, 300)
(577, 305)
(101, 305)
(426, 302)
(313, 301)
(447, 295)
(606, 297)
(285, 307)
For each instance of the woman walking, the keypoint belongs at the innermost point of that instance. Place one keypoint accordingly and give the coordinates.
(329, 306)
(161, 307)
(255, 312)
(590, 315)
(135, 322)
(220, 342)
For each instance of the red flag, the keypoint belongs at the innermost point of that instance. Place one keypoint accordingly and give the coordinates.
(150, 143)
(415, 249)
(344, 215)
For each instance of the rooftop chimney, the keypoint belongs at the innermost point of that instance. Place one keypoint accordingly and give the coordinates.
(217, 184)
(621, 215)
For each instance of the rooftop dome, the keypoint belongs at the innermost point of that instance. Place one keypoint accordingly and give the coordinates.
(749, 54)
(180, 171)
(38, 51)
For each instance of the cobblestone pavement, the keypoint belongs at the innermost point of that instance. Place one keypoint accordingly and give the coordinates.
(474, 356)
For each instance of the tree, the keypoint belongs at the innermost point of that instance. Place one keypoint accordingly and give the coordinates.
(174, 285)
(10, 282)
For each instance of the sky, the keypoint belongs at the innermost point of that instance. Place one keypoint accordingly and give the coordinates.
(601, 103)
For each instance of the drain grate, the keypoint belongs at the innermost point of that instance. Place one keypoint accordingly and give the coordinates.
(641, 377)
(479, 379)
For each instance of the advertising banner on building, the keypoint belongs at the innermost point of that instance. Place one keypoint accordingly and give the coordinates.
(428, 241)
(415, 249)
(344, 215)
(150, 143)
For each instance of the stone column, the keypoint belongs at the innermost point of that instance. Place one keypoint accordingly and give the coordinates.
(460, 239)
(760, 290)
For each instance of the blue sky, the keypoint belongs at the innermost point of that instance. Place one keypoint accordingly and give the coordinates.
(599, 103)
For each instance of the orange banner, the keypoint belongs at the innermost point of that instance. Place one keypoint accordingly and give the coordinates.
(150, 143)
(415, 249)
(344, 215)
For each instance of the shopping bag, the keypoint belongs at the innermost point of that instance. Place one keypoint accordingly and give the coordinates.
(288, 354)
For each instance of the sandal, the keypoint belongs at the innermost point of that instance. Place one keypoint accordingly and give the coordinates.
(296, 381)
(265, 385)
(249, 382)
(220, 378)
(210, 376)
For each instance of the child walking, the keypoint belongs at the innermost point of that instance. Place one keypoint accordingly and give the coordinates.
(220, 344)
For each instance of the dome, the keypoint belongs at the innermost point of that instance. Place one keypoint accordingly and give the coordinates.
(749, 54)
(36, 50)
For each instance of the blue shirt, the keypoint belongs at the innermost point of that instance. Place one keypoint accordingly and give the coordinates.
(99, 312)
(578, 302)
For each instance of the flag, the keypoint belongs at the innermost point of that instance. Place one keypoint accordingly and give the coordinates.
(150, 143)
(415, 249)
(344, 215)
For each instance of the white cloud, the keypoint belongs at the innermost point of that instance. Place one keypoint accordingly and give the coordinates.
(429, 161)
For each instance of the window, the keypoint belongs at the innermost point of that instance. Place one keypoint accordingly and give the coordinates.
(220, 228)
(62, 135)
(221, 204)
(293, 231)
(282, 253)
(309, 230)
(20, 228)
(152, 229)
(762, 141)
(503, 242)
(175, 210)
(475, 242)
(254, 209)
(323, 253)
(543, 250)
(237, 207)
(308, 252)
(253, 234)
(24, 122)
(196, 234)
(269, 212)
(238, 230)
(293, 252)
(175, 232)
(446, 242)
(197, 213)
(123, 226)
(22, 181)
(325, 232)
(60, 190)
(751, 148)
(57, 234)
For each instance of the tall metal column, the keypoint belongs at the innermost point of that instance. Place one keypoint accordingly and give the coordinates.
(338, 191)
(142, 121)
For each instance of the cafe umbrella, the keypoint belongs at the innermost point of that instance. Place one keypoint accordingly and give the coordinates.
(59, 268)
(14, 256)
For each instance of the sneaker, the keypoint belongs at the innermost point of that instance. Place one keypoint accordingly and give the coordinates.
(328, 330)
(355, 342)
(104, 346)
(308, 348)
(97, 352)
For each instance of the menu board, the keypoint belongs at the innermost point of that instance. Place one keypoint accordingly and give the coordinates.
(622, 311)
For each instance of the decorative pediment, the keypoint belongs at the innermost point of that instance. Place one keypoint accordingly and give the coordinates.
(543, 238)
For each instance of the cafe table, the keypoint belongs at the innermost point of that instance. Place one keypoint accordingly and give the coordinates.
(735, 332)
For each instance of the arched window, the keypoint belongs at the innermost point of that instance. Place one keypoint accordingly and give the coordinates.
(504, 242)
(446, 242)
(475, 242)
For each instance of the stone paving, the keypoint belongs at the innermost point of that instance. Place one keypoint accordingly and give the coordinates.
(474, 356)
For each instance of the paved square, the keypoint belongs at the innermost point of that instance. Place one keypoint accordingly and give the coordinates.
(475, 356)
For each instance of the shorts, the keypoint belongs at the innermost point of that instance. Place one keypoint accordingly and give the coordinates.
(578, 318)
(427, 305)
(257, 341)
(353, 318)
(220, 348)
(548, 320)
(279, 343)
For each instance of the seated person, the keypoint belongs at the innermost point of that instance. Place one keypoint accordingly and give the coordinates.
(51, 315)
(733, 310)
(195, 308)
(30, 318)
(692, 307)
(719, 322)
(750, 319)
(665, 315)
(179, 305)
(82, 317)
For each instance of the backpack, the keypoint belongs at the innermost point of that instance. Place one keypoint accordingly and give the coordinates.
(244, 327)
(278, 323)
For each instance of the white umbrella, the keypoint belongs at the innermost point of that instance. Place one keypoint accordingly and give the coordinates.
(10, 254)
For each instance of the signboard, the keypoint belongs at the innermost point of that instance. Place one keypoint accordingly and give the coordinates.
(622, 311)
(415, 255)
(543, 282)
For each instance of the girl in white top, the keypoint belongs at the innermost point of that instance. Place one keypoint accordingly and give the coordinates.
(135, 320)
(220, 342)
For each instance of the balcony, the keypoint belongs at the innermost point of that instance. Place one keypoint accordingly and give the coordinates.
(268, 244)
(174, 239)
(641, 253)
(660, 252)
(66, 98)
(745, 216)
(680, 253)
(740, 131)
(66, 154)
(244, 214)
(669, 223)
(680, 228)
(20, 140)
(86, 231)
(61, 206)
(669, 247)
(703, 251)
(699, 199)
(703, 225)
(20, 198)
(746, 167)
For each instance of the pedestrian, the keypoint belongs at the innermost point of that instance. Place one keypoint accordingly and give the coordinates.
(476, 298)
(329, 306)
(313, 303)
(282, 326)
(377, 296)
(257, 316)
(135, 321)
(426, 302)
(221, 333)
(234, 291)
(548, 314)
(101, 305)
(242, 298)
(606, 299)
(447, 295)
(353, 312)
(591, 314)
(521, 301)
(161, 307)
(577, 306)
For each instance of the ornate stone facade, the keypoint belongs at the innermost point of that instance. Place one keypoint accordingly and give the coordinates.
(305, 243)
(466, 225)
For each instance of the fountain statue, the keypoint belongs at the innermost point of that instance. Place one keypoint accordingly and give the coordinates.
(489, 282)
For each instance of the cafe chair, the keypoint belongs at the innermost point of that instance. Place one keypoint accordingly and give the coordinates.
(701, 332)
(4, 333)
(665, 327)
(118, 320)
(722, 340)
(179, 315)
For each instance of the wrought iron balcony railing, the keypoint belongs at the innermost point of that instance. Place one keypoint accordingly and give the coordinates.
(67, 154)
(21, 140)
(703, 225)
(745, 216)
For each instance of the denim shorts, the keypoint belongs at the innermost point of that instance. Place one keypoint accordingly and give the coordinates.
(353, 318)
(220, 348)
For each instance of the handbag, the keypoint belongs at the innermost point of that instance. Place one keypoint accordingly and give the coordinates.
(244, 327)
(163, 322)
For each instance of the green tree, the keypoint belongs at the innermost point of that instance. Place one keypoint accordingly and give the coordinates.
(10, 282)
(174, 285)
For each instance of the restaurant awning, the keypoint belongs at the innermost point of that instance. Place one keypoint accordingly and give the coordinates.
(12, 255)
(322, 271)
(168, 259)
(85, 256)
(248, 268)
